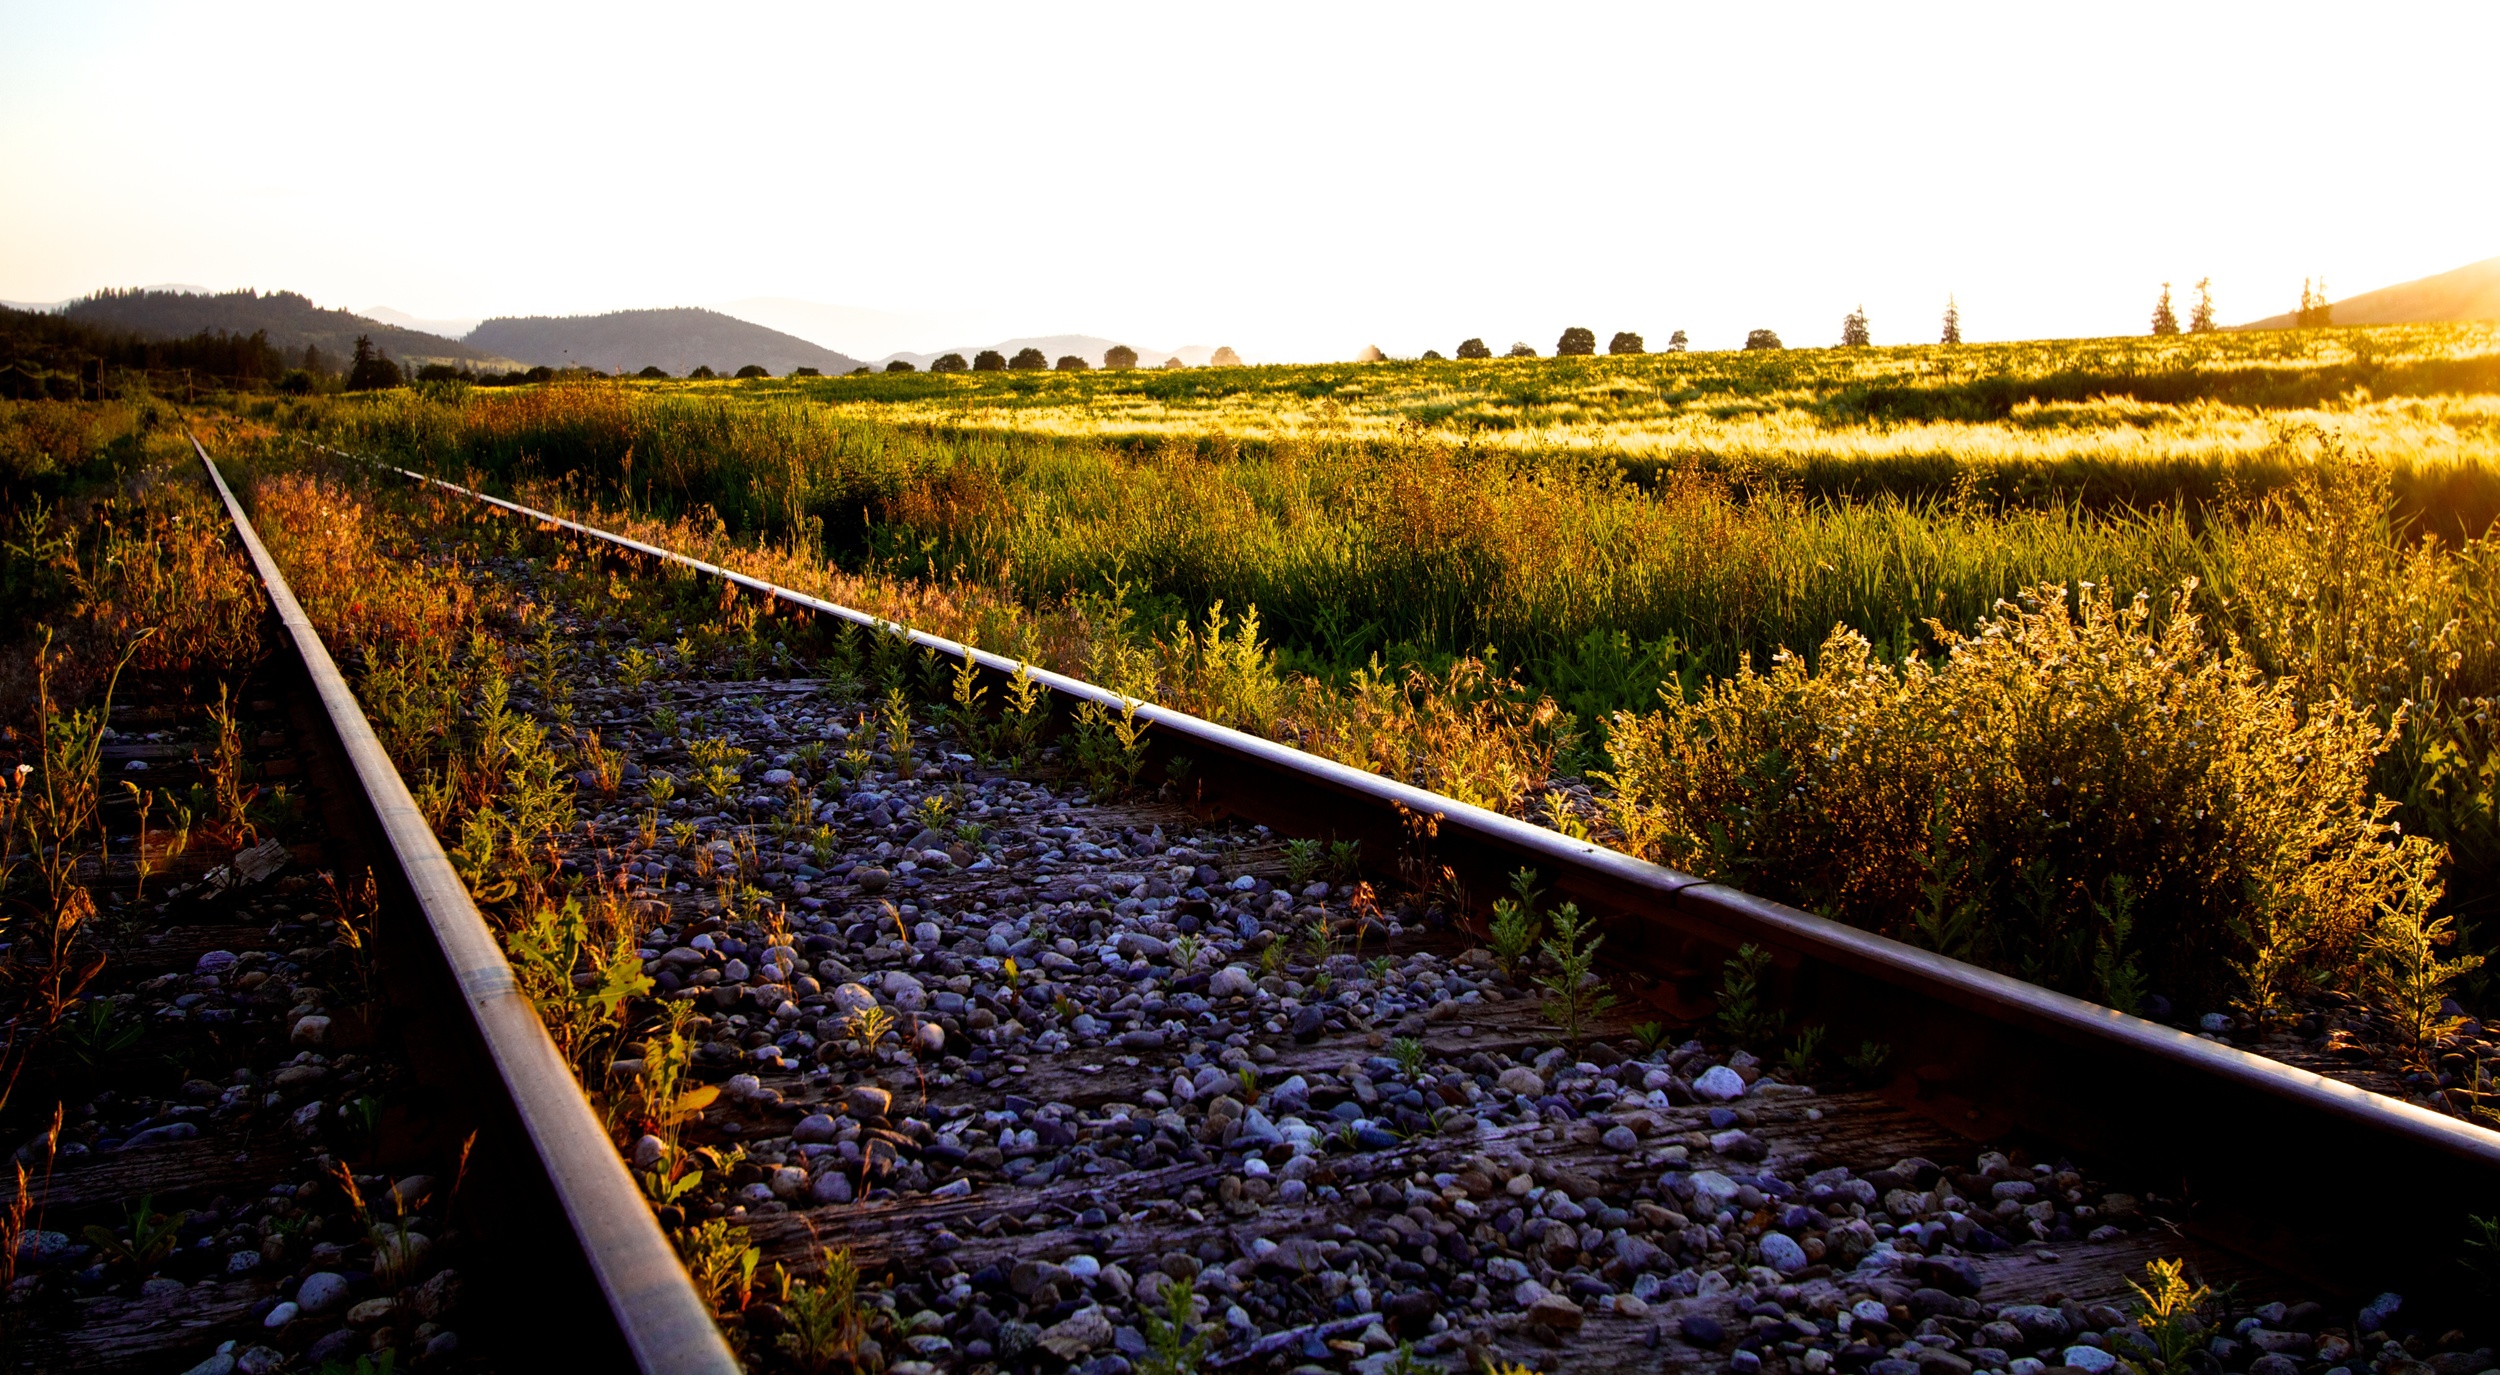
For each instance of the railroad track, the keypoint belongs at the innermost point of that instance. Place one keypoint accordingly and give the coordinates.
(1340, 1154)
(470, 1128)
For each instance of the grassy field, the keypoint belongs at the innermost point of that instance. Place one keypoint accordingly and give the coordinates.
(1529, 551)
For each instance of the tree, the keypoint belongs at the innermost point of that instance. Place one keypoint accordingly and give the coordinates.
(2201, 320)
(1625, 341)
(370, 371)
(1952, 321)
(1677, 343)
(1853, 333)
(1174, 362)
(752, 370)
(1473, 348)
(702, 373)
(1028, 360)
(1371, 354)
(2315, 311)
(948, 362)
(1224, 357)
(1433, 356)
(861, 371)
(807, 372)
(1119, 356)
(1071, 363)
(1521, 349)
(1763, 339)
(989, 360)
(2165, 320)
(898, 365)
(1576, 342)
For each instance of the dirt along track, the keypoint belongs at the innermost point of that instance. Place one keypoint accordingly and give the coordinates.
(1372, 1138)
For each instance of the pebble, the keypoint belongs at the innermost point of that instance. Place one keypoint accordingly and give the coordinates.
(320, 1292)
(1782, 1253)
(1719, 1084)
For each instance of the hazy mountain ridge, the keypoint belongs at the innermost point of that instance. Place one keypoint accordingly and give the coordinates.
(2471, 292)
(291, 321)
(676, 339)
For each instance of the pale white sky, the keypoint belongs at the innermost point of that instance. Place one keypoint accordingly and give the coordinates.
(1296, 181)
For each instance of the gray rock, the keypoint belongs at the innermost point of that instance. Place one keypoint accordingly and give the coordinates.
(312, 1030)
(320, 1292)
(2272, 1363)
(1783, 1254)
(2039, 1324)
(1232, 981)
(1713, 1193)
(1719, 1084)
(2377, 1312)
(831, 1187)
(220, 1364)
(2090, 1359)
(1620, 1138)
(1521, 1080)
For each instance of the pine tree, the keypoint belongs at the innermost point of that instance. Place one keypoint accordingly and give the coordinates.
(2314, 313)
(2165, 320)
(2201, 320)
(1952, 321)
(1853, 329)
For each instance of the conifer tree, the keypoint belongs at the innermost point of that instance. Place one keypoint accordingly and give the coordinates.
(2201, 320)
(1952, 321)
(1853, 333)
(2165, 320)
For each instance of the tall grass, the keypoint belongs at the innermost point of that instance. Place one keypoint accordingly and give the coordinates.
(1601, 530)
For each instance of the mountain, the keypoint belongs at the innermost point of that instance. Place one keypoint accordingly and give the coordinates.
(292, 323)
(1057, 346)
(676, 340)
(873, 333)
(2471, 292)
(449, 329)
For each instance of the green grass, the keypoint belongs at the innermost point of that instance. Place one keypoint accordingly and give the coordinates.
(1605, 528)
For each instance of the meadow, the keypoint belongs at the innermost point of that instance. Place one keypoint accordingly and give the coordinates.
(1670, 599)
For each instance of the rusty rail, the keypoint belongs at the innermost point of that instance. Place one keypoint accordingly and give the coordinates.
(606, 1241)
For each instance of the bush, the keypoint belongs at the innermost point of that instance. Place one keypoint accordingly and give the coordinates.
(371, 371)
(1224, 357)
(1174, 362)
(807, 372)
(1763, 339)
(443, 372)
(752, 370)
(990, 360)
(1119, 356)
(898, 365)
(655, 372)
(1576, 342)
(1072, 363)
(1028, 360)
(1433, 356)
(702, 373)
(1625, 341)
(298, 382)
(1473, 348)
(1522, 349)
(1983, 806)
(862, 370)
(948, 362)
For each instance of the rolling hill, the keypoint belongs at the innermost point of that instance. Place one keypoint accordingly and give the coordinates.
(2471, 292)
(676, 340)
(292, 323)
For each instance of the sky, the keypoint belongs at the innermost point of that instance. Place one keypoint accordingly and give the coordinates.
(1297, 181)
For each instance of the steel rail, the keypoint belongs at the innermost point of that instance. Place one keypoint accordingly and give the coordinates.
(2254, 1143)
(658, 1319)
